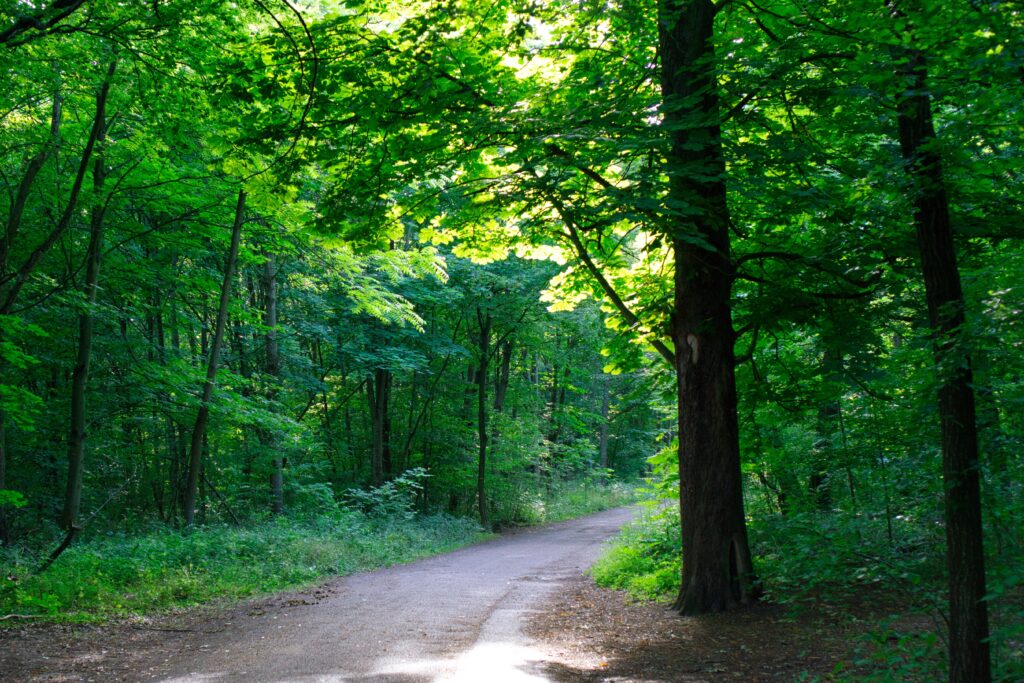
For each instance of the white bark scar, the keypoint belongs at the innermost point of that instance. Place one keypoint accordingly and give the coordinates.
(694, 348)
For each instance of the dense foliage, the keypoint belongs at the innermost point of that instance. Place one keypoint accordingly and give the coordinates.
(258, 258)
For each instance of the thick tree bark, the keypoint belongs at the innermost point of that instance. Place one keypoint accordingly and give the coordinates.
(717, 567)
(969, 658)
(202, 416)
(80, 376)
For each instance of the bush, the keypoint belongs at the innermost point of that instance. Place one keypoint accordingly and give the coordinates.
(644, 558)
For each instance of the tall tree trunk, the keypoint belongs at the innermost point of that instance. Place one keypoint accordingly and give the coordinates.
(175, 442)
(5, 531)
(80, 376)
(389, 470)
(484, 321)
(553, 402)
(273, 368)
(378, 391)
(969, 659)
(502, 375)
(717, 567)
(602, 444)
(202, 416)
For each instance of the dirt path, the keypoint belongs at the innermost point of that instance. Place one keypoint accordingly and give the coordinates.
(455, 617)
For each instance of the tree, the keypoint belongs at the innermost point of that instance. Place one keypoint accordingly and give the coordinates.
(717, 566)
(969, 658)
(76, 437)
(195, 452)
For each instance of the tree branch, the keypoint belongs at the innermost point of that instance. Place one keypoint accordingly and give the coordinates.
(606, 286)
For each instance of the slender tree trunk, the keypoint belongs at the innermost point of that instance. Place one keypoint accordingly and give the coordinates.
(717, 567)
(602, 444)
(484, 321)
(553, 402)
(385, 454)
(273, 367)
(5, 531)
(80, 377)
(378, 389)
(199, 430)
(969, 658)
(503, 373)
(175, 450)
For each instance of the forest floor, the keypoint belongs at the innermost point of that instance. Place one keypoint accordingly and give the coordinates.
(517, 608)
(590, 634)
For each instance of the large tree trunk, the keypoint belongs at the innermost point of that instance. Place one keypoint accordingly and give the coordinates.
(717, 567)
(203, 415)
(969, 659)
(80, 376)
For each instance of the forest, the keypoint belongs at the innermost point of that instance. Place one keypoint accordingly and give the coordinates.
(294, 288)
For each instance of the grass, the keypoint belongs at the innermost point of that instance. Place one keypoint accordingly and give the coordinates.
(559, 500)
(125, 575)
(575, 499)
(132, 574)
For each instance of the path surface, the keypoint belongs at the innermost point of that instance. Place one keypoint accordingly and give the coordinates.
(454, 617)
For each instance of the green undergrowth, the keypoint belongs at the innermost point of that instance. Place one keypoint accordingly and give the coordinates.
(887, 574)
(577, 500)
(563, 500)
(123, 575)
(643, 560)
(117, 574)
